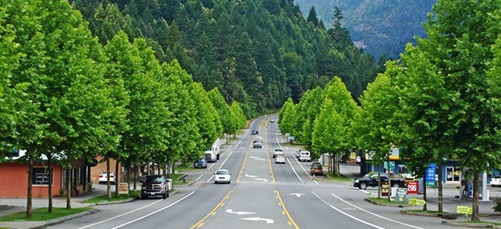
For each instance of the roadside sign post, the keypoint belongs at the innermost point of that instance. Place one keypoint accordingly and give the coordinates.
(123, 188)
(412, 187)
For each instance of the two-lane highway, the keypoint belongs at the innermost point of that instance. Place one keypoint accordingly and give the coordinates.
(261, 194)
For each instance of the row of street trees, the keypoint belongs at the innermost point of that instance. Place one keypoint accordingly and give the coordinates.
(439, 102)
(65, 95)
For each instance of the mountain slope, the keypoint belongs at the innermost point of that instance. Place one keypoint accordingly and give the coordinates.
(378, 26)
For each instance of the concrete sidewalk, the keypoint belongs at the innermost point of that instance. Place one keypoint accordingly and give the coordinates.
(9, 206)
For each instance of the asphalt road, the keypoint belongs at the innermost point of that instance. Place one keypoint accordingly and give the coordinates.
(262, 194)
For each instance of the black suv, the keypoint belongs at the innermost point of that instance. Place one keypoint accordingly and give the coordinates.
(155, 185)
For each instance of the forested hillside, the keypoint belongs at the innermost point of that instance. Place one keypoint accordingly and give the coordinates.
(258, 53)
(379, 26)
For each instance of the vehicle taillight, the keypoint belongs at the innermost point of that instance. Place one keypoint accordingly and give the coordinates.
(100, 176)
(112, 176)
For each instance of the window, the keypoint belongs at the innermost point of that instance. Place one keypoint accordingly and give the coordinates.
(40, 176)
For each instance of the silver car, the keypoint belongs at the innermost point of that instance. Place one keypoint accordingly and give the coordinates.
(222, 176)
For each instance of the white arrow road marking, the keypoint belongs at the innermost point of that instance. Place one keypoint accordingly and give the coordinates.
(239, 213)
(247, 175)
(260, 179)
(297, 194)
(259, 218)
(257, 158)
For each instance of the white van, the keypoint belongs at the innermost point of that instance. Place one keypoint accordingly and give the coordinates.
(304, 155)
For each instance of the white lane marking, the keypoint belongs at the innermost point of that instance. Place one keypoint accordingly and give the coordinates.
(297, 194)
(366, 192)
(159, 210)
(259, 218)
(307, 174)
(239, 212)
(374, 214)
(222, 164)
(290, 164)
(346, 214)
(198, 178)
(257, 158)
(118, 216)
(251, 176)
(260, 179)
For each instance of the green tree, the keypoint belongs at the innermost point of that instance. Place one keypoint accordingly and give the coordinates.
(222, 108)
(238, 119)
(328, 132)
(286, 117)
(448, 103)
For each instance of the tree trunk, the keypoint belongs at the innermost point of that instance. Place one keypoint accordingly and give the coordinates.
(117, 177)
(379, 183)
(475, 216)
(425, 206)
(135, 176)
(388, 176)
(68, 188)
(29, 204)
(49, 165)
(440, 196)
(108, 188)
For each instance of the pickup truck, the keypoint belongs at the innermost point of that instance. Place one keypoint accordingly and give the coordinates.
(371, 180)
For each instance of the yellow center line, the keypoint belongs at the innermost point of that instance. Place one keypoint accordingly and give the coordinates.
(200, 223)
(242, 167)
(281, 203)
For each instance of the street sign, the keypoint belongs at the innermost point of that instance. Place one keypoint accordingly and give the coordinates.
(412, 187)
(430, 175)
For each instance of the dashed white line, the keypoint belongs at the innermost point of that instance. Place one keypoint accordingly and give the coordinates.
(346, 214)
(374, 214)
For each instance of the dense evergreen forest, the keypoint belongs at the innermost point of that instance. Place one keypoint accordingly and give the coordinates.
(258, 53)
(381, 27)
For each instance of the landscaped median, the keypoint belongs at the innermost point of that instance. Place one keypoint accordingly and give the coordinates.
(450, 218)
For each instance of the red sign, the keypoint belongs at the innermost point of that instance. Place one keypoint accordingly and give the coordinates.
(412, 187)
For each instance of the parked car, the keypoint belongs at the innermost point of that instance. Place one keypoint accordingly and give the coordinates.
(200, 163)
(103, 178)
(304, 156)
(257, 144)
(155, 185)
(254, 132)
(316, 169)
(496, 181)
(222, 176)
(371, 180)
(280, 159)
(278, 151)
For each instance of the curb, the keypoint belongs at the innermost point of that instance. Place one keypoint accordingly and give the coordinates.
(472, 225)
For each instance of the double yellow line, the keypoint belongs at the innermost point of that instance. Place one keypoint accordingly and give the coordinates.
(201, 222)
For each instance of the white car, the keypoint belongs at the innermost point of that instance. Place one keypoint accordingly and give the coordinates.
(280, 159)
(496, 181)
(103, 178)
(278, 151)
(222, 176)
(304, 155)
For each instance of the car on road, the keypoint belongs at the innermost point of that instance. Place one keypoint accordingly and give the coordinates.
(278, 151)
(272, 120)
(304, 156)
(155, 185)
(372, 180)
(280, 159)
(200, 163)
(222, 176)
(103, 178)
(254, 132)
(257, 144)
(316, 169)
(496, 181)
